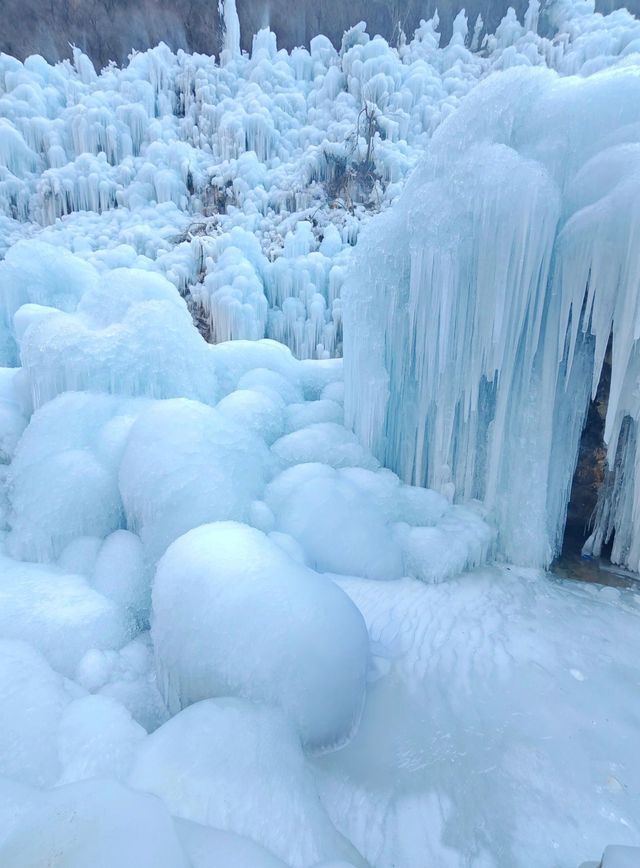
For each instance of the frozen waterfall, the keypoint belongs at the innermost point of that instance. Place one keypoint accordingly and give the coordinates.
(479, 308)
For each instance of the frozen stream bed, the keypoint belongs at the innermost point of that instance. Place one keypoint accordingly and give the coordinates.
(502, 725)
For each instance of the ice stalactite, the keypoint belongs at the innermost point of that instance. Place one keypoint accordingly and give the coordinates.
(479, 309)
(231, 43)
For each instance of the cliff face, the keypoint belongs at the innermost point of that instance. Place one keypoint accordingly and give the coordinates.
(109, 29)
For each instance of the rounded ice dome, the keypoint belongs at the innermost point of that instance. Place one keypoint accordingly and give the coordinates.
(234, 615)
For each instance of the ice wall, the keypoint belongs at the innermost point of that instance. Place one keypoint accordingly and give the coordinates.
(479, 308)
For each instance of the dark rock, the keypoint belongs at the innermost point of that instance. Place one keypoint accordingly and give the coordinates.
(110, 29)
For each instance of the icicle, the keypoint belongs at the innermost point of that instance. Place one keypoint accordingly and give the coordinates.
(478, 311)
(531, 16)
(477, 32)
(231, 44)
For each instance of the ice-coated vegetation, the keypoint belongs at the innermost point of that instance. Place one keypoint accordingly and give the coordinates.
(236, 632)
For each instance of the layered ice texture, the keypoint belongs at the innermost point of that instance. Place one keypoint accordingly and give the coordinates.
(480, 307)
(234, 631)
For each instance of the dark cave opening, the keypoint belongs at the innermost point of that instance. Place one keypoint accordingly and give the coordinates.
(588, 479)
(589, 475)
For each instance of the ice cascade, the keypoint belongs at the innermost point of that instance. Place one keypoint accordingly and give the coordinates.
(479, 308)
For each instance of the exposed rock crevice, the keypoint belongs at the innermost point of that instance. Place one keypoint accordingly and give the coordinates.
(591, 469)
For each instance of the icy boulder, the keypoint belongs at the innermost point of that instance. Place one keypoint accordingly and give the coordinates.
(309, 412)
(233, 614)
(59, 614)
(33, 700)
(200, 764)
(460, 541)
(126, 676)
(271, 383)
(325, 442)
(186, 464)
(94, 823)
(211, 848)
(42, 274)
(96, 738)
(136, 346)
(235, 359)
(88, 503)
(63, 478)
(255, 411)
(360, 522)
(335, 522)
(122, 288)
(119, 573)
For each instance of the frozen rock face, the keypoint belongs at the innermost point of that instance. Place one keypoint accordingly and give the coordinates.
(309, 655)
(108, 31)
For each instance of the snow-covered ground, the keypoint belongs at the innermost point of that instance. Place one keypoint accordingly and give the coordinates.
(230, 638)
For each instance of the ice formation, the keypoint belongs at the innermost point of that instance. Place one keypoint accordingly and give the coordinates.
(234, 630)
(97, 822)
(310, 657)
(482, 304)
(239, 767)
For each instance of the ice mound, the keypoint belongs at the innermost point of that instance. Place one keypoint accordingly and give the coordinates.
(33, 700)
(235, 359)
(326, 443)
(153, 351)
(34, 272)
(256, 411)
(63, 480)
(59, 614)
(99, 823)
(200, 762)
(97, 738)
(126, 676)
(271, 383)
(186, 464)
(338, 528)
(210, 848)
(309, 657)
(360, 522)
(120, 289)
(310, 412)
(120, 573)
